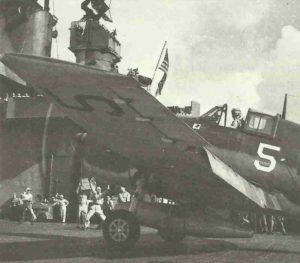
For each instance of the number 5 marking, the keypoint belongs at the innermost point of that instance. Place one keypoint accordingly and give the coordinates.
(270, 158)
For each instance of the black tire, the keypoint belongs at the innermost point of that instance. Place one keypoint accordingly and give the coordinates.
(121, 229)
(170, 236)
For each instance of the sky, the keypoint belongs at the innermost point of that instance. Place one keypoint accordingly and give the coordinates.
(242, 52)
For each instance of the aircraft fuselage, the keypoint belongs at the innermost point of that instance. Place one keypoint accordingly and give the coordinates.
(270, 161)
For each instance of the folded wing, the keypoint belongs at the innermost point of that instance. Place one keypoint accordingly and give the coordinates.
(124, 120)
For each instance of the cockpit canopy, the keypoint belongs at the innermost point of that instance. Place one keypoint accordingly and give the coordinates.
(261, 123)
(256, 122)
(217, 115)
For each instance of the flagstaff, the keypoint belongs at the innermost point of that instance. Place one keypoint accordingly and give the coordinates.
(161, 53)
(164, 67)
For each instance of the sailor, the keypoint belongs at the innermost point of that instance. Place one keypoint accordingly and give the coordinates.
(96, 207)
(262, 222)
(108, 205)
(124, 196)
(281, 222)
(238, 121)
(133, 72)
(99, 6)
(27, 200)
(82, 208)
(271, 222)
(253, 220)
(83, 203)
(140, 194)
(56, 210)
(15, 206)
(130, 72)
(62, 203)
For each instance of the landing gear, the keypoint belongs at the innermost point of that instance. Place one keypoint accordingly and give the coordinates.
(170, 236)
(121, 230)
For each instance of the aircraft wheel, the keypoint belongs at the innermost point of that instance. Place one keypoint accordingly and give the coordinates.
(121, 230)
(170, 236)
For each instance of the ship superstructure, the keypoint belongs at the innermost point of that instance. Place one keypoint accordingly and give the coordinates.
(39, 144)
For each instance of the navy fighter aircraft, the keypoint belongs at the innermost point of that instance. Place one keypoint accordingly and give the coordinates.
(207, 169)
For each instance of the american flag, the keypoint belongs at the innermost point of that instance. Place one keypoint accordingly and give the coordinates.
(164, 67)
(165, 64)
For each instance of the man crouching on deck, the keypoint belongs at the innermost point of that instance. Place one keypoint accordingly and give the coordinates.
(96, 207)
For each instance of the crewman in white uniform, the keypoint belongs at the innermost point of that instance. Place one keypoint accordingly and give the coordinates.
(124, 196)
(62, 203)
(96, 207)
(83, 204)
(27, 200)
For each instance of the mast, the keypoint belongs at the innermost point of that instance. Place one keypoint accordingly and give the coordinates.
(46, 6)
(161, 53)
(283, 116)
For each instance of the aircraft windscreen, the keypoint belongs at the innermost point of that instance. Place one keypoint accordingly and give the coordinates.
(217, 114)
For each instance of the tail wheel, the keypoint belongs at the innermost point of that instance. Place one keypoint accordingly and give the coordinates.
(170, 236)
(121, 229)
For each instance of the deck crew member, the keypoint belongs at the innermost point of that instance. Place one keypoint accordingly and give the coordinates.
(27, 200)
(83, 203)
(124, 196)
(15, 206)
(62, 203)
(281, 220)
(96, 207)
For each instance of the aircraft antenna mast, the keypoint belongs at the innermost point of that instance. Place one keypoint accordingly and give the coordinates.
(283, 116)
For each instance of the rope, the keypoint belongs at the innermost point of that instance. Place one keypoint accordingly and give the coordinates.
(53, 7)
(56, 39)
(57, 52)
(109, 10)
